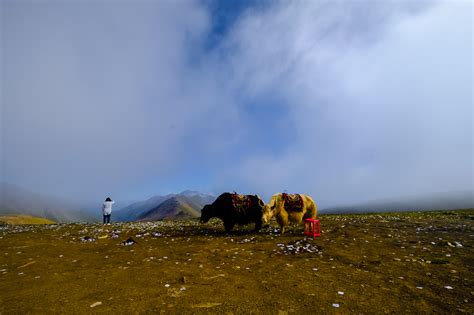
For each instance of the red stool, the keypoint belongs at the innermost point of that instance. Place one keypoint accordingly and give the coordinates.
(312, 227)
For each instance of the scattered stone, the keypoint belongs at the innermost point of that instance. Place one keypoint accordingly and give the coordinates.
(298, 247)
(95, 304)
(23, 266)
(87, 239)
(335, 305)
(130, 241)
(206, 305)
(216, 276)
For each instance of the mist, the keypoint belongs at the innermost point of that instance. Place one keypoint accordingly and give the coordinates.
(345, 101)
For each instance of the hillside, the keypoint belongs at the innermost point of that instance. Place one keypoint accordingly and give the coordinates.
(19, 201)
(136, 209)
(23, 219)
(177, 207)
(186, 204)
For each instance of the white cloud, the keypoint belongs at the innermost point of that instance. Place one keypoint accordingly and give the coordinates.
(346, 101)
(101, 98)
(378, 110)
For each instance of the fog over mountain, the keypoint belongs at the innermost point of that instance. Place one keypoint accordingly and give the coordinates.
(16, 200)
(348, 101)
(439, 201)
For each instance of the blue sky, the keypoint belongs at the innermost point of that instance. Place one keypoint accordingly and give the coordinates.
(347, 101)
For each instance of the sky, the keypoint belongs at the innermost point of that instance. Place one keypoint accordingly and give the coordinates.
(347, 101)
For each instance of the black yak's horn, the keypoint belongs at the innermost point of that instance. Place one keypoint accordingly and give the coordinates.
(260, 203)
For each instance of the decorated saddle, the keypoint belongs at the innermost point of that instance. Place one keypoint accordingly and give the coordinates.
(292, 202)
(240, 202)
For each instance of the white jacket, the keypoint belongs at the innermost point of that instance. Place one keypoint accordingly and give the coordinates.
(107, 207)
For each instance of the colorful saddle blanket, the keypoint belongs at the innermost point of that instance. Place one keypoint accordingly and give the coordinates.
(292, 202)
(240, 202)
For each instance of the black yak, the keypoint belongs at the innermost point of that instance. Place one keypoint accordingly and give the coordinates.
(235, 209)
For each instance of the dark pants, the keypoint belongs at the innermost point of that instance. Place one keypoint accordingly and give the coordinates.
(106, 218)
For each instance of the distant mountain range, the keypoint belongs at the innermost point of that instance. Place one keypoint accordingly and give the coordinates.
(441, 201)
(187, 204)
(16, 200)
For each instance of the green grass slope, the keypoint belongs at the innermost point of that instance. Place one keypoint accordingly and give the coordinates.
(24, 219)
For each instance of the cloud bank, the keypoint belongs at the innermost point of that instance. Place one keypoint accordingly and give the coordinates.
(377, 107)
(346, 101)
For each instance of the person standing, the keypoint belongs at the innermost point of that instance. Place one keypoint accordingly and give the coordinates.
(107, 209)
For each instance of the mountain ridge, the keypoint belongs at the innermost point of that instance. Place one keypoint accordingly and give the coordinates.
(187, 204)
(177, 207)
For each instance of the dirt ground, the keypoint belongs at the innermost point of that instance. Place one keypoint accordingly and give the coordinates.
(370, 264)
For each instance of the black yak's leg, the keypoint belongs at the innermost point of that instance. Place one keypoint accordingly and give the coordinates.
(258, 226)
(229, 225)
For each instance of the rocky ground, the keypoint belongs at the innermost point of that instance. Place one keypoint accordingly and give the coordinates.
(371, 264)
